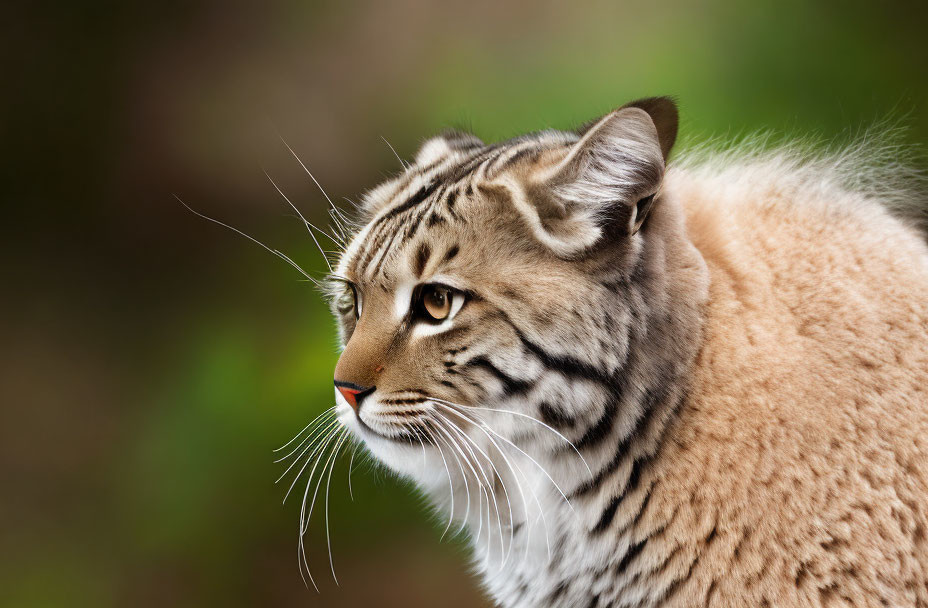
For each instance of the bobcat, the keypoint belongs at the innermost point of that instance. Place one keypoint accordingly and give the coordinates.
(637, 384)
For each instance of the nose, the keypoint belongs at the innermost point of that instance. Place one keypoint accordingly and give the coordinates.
(353, 393)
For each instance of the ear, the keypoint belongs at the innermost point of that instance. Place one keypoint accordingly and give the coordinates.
(609, 177)
(432, 151)
(664, 115)
(440, 147)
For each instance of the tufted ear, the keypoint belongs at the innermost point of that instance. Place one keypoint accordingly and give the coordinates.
(437, 148)
(609, 177)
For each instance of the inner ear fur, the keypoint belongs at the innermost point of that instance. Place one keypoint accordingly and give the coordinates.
(611, 174)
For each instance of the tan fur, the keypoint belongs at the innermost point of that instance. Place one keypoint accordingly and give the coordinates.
(746, 378)
(798, 468)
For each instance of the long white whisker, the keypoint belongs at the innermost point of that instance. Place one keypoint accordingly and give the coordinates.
(302, 563)
(339, 227)
(421, 443)
(450, 490)
(308, 172)
(506, 492)
(295, 437)
(403, 163)
(484, 427)
(305, 222)
(336, 437)
(532, 418)
(466, 485)
(304, 519)
(476, 476)
(323, 419)
(487, 489)
(252, 239)
(332, 425)
(328, 484)
(541, 468)
(354, 453)
(502, 546)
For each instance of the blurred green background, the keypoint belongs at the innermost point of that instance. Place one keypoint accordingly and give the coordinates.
(152, 360)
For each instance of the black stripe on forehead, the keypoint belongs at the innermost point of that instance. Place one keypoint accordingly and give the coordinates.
(467, 167)
(423, 253)
(420, 196)
(449, 255)
(498, 167)
(402, 218)
(378, 234)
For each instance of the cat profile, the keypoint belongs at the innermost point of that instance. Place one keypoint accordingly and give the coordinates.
(642, 383)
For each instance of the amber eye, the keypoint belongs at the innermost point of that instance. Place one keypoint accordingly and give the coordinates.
(436, 301)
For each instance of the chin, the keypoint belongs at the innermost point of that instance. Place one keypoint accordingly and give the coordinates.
(408, 460)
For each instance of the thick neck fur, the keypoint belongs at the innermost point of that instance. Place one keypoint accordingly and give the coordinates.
(571, 515)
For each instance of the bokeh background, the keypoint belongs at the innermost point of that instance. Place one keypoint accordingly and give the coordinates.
(152, 360)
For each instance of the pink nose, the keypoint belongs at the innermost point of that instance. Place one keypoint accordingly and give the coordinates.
(353, 393)
(350, 395)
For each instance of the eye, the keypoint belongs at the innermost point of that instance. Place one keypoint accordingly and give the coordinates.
(436, 301)
(348, 301)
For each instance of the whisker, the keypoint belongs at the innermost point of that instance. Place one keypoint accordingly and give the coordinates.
(403, 163)
(304, 521)
(450, 491)
(304, 429)
(541, 468)
(476, 477)
(308, 172)
(347, 225)
(492, 487)
(354, 453)
(483, 427)
(302, 564)
(338, 226)
(328, 484)
(328, 438)
(321, 420)
(419, 439)
(506, 492)
(532, 418)
(304, 516)
(331, 425)
(336, 437)
(487, 489)
(305, 222)
(466, 486)
(252, 239)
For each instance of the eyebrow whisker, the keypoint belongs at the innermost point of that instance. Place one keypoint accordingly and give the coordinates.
(308, 229)
(279, 254)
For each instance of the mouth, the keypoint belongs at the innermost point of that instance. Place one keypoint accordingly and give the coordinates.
(418, 434)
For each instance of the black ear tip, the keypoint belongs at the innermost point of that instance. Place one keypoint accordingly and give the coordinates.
(663, 112)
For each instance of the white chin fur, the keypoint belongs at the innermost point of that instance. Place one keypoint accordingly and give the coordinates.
(413, 462)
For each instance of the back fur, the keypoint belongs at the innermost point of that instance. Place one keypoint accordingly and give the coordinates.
(876, 166)
(801, 456)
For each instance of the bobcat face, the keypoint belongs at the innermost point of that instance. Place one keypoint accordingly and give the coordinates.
(474, 301)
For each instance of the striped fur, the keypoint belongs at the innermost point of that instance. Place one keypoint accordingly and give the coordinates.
(587, 414)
